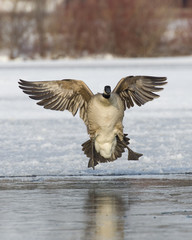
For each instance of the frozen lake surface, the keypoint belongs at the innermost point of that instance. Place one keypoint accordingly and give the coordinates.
(35, 141)
(47, 191)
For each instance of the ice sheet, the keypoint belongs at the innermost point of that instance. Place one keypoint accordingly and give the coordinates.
(35, 141)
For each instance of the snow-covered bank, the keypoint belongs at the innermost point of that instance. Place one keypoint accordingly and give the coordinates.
(42, 142)
(100, 61)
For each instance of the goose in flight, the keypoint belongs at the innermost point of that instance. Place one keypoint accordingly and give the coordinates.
(102, 113)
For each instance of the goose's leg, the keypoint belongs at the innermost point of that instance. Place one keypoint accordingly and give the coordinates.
(91, 161)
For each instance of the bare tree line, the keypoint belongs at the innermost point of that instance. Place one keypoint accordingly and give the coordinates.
(133, 28)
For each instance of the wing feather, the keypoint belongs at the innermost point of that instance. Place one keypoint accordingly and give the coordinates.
(66, 94)
(139, 89)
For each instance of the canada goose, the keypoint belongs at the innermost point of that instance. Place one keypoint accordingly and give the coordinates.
(102, 113)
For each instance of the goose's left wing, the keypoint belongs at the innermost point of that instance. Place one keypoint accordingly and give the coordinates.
(139, 89)
(67, 94)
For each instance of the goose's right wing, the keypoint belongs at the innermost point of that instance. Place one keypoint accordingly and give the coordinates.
(67, 94)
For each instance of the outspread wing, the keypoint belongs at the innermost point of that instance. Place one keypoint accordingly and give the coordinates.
(139, 89)
(67, 94)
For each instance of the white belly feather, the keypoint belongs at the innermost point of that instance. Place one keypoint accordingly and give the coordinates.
(105, 146)
(105, 118)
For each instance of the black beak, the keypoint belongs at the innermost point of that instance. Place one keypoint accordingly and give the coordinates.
(107, 90)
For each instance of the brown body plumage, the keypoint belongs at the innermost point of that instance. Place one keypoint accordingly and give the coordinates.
(102, 113)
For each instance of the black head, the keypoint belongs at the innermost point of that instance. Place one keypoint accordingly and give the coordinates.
(107, 89)
(107, 92)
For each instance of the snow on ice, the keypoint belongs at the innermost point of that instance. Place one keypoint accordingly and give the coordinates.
(35, 141)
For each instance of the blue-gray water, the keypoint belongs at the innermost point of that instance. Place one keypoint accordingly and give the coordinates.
(103, 208)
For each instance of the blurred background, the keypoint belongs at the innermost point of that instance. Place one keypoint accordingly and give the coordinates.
(32, 29)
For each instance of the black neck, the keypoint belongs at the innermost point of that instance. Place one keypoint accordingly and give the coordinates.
(106, 95)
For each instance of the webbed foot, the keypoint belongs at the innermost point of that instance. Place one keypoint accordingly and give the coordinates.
(133, 155)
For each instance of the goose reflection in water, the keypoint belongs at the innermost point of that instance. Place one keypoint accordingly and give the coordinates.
(106, 216)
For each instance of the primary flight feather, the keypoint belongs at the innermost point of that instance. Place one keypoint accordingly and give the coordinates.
(102, 113)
